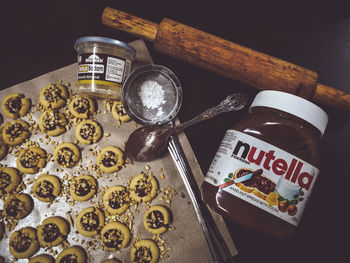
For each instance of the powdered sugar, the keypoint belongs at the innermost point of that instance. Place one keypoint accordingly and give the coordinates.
(152, 95)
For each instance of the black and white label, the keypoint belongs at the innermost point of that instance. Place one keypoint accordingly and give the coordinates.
(103, 67)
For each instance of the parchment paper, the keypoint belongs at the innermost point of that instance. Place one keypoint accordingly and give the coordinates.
(184, 243)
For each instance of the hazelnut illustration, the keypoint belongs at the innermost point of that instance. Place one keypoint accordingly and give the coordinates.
(282, 206)
(292, 210)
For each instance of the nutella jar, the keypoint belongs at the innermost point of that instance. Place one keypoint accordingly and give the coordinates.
(266, 166)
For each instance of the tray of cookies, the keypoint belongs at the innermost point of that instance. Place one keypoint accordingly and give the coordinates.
(68, 192)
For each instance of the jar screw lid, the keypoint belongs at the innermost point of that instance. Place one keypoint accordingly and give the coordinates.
(294, 105)
(107, 41)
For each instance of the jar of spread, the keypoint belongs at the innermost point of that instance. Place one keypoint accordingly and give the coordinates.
(103, 65)
(266, 166)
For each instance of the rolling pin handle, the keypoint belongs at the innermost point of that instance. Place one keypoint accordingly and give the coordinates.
(130, 24)
(325, 95)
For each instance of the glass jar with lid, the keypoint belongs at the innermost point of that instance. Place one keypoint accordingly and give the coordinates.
(266, 166)
(103, 65)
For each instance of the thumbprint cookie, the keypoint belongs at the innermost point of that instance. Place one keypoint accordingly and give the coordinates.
(15, 105)
(9, 179)
(90, 221)
(66, 154)
(24, 243)
(43, 258)
(119, 112)
(74, 254)
(15, 132)
(18, 206)
(115, 236)
(144, 250)
(116, 199)
(31, 160)
(52, 122)
(143, 188)
(53, 96)
(83, 187)
(3, 146)
(53, 231)
(110, 159)
(157, 219)
(88, 132)
(47, 187)
(82, 107)
(112, 260)
(2, 231)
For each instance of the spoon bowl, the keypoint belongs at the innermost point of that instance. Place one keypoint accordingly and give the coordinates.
(149, 142)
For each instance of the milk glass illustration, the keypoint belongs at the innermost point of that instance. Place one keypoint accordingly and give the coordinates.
(286, 189)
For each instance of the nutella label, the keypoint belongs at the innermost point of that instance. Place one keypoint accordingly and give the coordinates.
(102, 67)
(262, 175)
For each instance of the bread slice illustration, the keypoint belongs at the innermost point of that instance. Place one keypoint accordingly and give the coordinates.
(258, 184)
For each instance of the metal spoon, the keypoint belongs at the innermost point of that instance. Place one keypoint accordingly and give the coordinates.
(149, 142)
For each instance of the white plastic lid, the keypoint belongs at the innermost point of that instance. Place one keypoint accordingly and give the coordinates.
(294, 105)
(106, 40)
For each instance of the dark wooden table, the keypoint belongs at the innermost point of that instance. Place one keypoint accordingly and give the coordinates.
(38, 36)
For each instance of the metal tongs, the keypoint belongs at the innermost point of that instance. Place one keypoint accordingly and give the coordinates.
(217, 245)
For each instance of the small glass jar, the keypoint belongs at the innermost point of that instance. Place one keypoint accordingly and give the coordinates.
(103, 65)
(264, 170)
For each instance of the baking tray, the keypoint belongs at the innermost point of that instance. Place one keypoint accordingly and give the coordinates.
(185, 242)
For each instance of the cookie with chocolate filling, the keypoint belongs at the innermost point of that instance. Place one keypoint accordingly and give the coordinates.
(88, 132)
(43, 258)
(115, 236)
(157, 219)
(53, 96)
(52, 122)
(9, 179)
(143, 251)
(112, 260)
(66, 154)
(1, 119)
(15, 105)
(18, 206)
(143, 187)
(53, 231)
(24, 243)
(82, 107)
(119, 112)
(47, 187)
(15, 132)
(2, 230)
(3, 146)
(74, 254)
(3, 149)
(83, 187)
(110, 159)
(90, 221)
(31, 160)
(116, 199)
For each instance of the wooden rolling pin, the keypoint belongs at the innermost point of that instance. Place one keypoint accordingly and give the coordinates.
(226, 58)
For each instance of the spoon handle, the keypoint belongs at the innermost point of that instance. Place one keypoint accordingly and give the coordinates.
(233, 102)
(219, 251)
